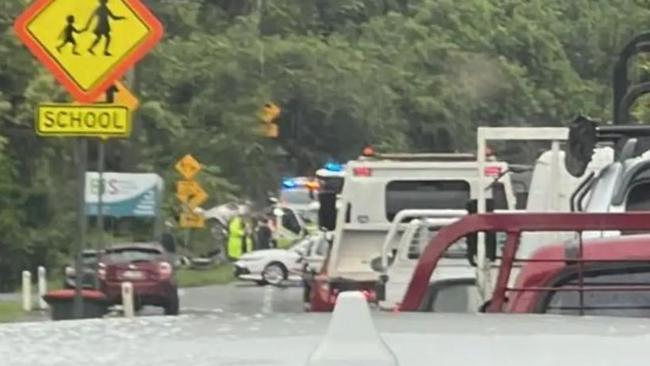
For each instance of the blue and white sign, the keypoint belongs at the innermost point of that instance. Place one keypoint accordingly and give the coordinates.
(125, 194)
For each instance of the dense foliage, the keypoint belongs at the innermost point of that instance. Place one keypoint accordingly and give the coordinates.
(407, 75)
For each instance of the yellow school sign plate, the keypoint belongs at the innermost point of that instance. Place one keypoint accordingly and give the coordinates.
(83, 120)
(88, 44)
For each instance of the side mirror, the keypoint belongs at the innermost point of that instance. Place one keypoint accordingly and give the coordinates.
(580, 146)
(472, 239)
(327, 210)
(375, 264)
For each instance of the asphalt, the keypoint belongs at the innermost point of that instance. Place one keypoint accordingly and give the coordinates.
(242, 298)
(237, 298)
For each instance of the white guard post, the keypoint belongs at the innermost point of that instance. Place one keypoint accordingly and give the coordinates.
(27, 291)
(484, 134)
(42, 287)
(127, 299)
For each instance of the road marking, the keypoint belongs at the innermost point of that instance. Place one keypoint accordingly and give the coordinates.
(267, 301)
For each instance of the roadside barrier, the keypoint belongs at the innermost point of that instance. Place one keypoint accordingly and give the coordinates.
(42, 287)
(127, 299)
(27, 291)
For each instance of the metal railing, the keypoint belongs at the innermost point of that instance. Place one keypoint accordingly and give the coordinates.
(514, 225)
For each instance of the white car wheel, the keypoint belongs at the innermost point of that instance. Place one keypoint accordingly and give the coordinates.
(274, 274)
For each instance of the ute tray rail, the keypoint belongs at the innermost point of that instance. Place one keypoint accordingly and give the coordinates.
(513, 225)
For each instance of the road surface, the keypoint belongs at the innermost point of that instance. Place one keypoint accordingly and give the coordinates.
(243, 298)
(239, 298)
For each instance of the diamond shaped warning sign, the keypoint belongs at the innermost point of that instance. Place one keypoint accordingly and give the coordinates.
(88, 44)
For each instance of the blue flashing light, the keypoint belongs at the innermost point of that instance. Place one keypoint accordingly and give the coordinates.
(333, 167)
(289, 183)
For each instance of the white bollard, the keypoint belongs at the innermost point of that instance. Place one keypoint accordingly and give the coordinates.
(42, 287)
(127, 299)
(27, 291)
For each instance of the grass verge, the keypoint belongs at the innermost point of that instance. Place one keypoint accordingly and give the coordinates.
(10, 311)
(217, 275)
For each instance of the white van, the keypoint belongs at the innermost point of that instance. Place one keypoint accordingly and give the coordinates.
(377, 188)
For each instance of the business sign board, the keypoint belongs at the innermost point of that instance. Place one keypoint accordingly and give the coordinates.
(125, 194)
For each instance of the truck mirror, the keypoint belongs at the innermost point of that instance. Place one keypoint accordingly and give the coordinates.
(580, 146)
(490, 237)
(327, 210)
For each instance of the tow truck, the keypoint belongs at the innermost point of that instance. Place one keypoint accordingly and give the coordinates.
(376, 188)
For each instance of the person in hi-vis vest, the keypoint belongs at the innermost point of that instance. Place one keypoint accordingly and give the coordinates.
(236, 237)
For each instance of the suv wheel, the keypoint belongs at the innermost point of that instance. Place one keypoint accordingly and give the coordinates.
(172, 305)
(274, 273)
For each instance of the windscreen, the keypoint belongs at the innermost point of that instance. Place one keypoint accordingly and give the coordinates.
(429, 194)
(298, 196)
(127, 255)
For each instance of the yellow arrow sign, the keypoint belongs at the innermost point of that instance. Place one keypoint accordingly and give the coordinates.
(121, 96)
(83, 120)
(270, 112)
(188, 167)
(191, 221)
(191, 193)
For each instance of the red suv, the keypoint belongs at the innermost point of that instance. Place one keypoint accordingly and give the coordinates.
(148, 267)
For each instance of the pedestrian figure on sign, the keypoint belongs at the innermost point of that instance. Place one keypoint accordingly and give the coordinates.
(103, 26)
(67, 35)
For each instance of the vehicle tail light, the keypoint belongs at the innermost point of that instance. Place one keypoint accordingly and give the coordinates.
(165, 270)
(492, 171)
(362, 171)
(101, 271)
(69, 271)
(370, 295)
(324, 287)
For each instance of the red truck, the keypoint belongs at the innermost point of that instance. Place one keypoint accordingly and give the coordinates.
(606, 276)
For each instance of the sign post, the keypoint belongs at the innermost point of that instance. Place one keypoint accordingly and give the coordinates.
(87, 62)
(82, 153)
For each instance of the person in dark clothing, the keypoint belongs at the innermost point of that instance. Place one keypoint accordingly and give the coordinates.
(263, 234)
(103, 26)
(67, 35)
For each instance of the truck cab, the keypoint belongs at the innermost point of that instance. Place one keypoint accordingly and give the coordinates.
(375, 190)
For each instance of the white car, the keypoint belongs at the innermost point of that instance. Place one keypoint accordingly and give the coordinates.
(273, 266)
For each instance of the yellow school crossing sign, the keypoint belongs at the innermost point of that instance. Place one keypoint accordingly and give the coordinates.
(98, 120)
(88, 44)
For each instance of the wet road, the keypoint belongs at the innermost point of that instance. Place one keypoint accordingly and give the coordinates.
(243, 298)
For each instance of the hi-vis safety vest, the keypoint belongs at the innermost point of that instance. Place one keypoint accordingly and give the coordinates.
(235, 237)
